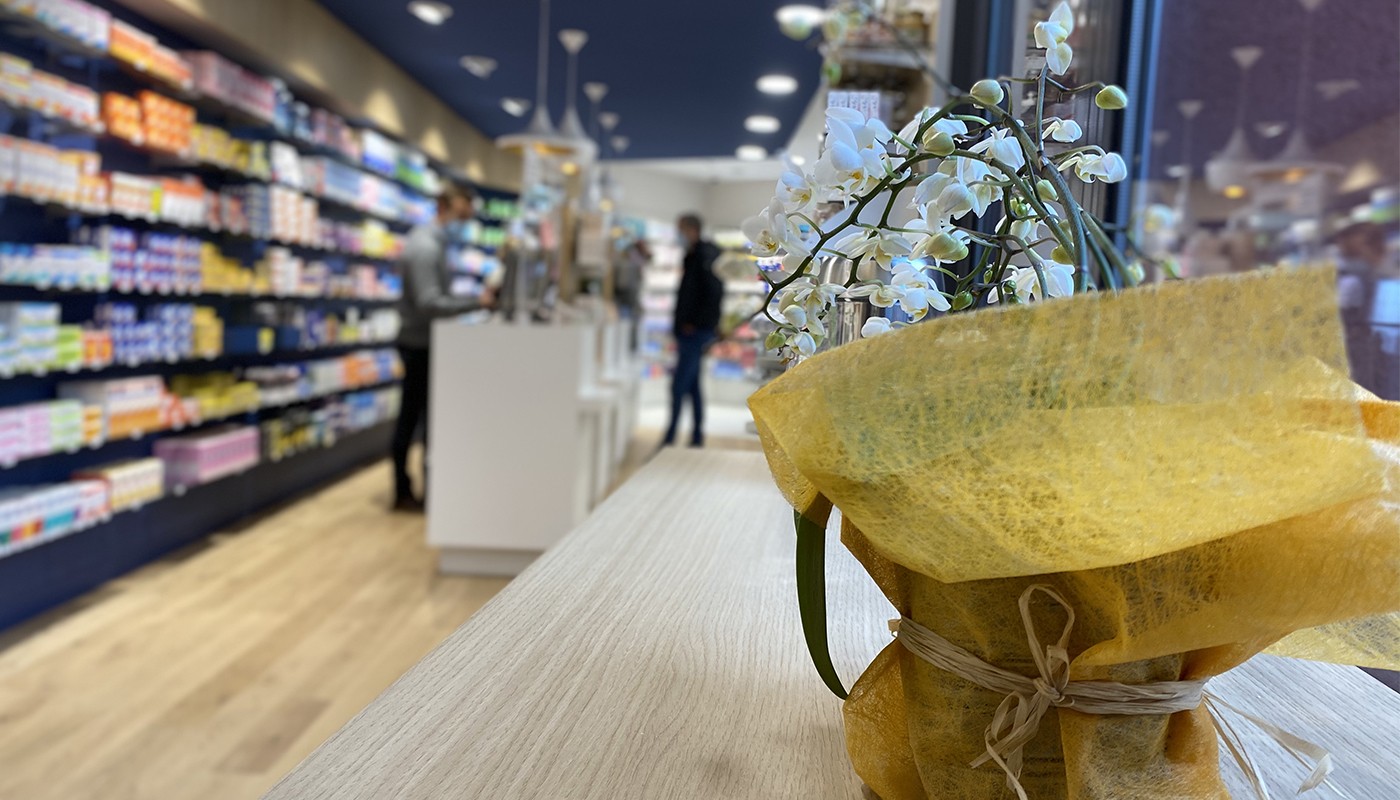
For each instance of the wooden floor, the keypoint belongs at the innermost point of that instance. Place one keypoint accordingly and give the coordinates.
(213, 672)
(210, 674)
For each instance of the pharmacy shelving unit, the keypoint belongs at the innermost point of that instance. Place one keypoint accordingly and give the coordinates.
(39, 573)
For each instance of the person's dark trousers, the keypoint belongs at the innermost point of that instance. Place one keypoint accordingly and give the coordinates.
(413, 411)
(690, 354)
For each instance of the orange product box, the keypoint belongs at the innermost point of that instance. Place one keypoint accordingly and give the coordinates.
(97, 348)
(92, 424)
(171, 67)
(122, 116)
(133, 46)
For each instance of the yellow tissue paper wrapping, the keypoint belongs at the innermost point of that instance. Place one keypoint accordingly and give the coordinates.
(1187, 464)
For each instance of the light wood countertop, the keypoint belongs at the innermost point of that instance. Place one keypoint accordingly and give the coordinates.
(656, 653)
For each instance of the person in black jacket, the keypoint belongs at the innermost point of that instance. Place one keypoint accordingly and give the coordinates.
(698, 303)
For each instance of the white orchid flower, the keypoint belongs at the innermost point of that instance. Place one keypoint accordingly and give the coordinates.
(943, 243)
(795, 190)
(774, 230)
(866, 132)
(941, 198)
(796, 316)
(1062, 130)
(881, 295)
(1027, 230)
(1051, 36)
(1059, 280)
(918, 292)
(1106, 167)
(875, 326)
(974, 175)
(792, 262)
(879, 246)
(1157, 218)
(845, 166)
(803, 343)
(815, 299)
(1004, 147)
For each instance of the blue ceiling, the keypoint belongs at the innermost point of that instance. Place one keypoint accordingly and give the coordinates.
(1351, 40)
(681, 74)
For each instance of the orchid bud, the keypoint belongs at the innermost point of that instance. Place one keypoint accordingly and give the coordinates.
(775, 341)
(962, 300)
(831, 70)
(987, 92)
(1111, 98)
(1045, 191)
(946, 248)
(939, 143)
(1018, 206)
(1133, 273)
(1061, 256)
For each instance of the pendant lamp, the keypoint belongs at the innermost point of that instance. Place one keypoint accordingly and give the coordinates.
(1228, 172)
(571, 129)
(1297, 160)
(540, 137)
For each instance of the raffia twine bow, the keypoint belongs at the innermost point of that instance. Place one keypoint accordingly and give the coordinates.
(1017, 720)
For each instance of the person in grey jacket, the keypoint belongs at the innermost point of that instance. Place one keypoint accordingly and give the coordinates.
(427, 296)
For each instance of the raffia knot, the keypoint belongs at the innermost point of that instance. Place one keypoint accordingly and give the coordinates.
(1027, 700)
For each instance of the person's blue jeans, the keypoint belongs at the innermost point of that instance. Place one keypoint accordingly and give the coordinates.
(685, 382)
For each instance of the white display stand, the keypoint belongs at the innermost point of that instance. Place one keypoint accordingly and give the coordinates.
(524, 428)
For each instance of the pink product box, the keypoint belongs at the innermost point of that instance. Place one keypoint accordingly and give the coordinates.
(36, 436)
(11, 434)
(93, 502)
(206, 457)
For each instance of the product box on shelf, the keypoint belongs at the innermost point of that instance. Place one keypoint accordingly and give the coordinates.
(221, 79)
(130, 406)
(78, 20)
(166, 125)
(130, 484)
(37, 513)
(207, 456)
(38, 429)
(31, 334)
(122, 117)
(134, 196)
(216, 395)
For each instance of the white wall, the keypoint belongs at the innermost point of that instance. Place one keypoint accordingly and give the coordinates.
(728, 204)
(655, 195)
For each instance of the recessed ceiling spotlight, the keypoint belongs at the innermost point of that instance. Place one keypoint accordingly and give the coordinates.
(762, 123)
(750, 152)
(430, 11)
(515, 106)
(480, 66)
(799, 21)
(777, 84)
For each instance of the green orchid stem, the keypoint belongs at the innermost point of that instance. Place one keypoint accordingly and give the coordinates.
(1060, 158)
(1040, 111)
(1081, 248)
(1076, 89)
(1114, 265)
(811, 598)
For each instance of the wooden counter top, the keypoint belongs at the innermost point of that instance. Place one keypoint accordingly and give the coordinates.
(656, 653)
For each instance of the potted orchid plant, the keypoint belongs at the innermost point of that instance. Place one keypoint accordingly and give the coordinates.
(1171, 479)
